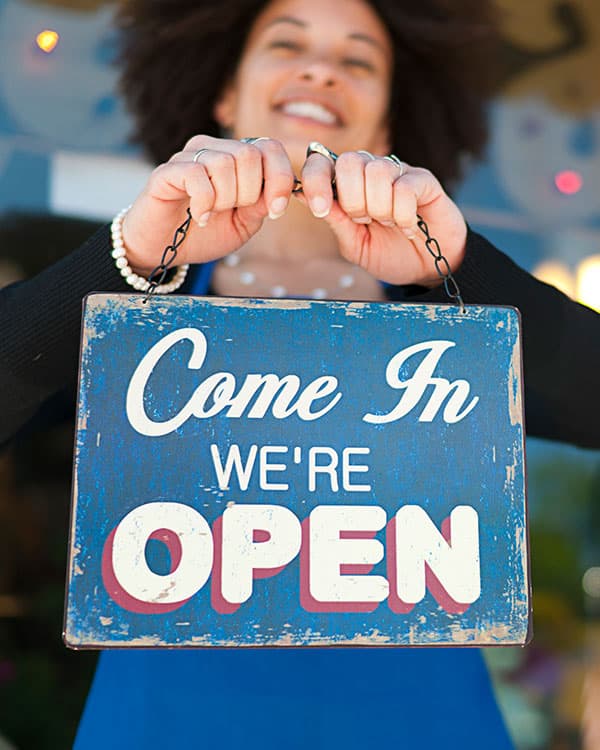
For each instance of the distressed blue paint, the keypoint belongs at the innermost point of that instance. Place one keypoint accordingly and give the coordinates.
(476, 462)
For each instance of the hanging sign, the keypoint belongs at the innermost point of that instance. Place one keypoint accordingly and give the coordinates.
(297, 473)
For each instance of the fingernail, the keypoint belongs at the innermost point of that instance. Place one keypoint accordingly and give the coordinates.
(203, 220)
(362, 220)
(278, 207)
(319, 206)
(410, 233)
(388, 223)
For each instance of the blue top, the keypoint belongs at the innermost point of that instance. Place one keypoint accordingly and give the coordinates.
(282, 699)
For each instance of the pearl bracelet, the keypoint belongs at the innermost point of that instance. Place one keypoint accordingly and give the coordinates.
(139, 283)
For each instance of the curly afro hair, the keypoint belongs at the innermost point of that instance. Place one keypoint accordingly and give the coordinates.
(176, 57)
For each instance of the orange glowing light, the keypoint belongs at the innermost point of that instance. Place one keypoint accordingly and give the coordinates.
(558, 274)
(568, 182)
(47, 40)
(588, 282)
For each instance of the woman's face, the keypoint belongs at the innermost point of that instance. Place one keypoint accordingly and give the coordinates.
(313, 70)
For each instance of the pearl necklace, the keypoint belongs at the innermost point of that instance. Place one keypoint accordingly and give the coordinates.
(247, 278)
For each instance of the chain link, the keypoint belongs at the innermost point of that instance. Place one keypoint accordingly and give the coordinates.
(441, 265)
(440, 262)
(159, 274)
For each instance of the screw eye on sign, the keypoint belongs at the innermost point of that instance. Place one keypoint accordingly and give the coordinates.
(297, 473)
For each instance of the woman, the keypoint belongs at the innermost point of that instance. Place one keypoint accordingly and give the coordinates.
(309, 70)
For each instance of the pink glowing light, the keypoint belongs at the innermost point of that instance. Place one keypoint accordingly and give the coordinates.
(568, 181)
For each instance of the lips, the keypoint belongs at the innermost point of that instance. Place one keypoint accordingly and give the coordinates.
(310, 110)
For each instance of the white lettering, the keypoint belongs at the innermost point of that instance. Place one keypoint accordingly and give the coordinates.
(258, 541)
(455, 563)
(265, 467)
(217, 393)
(329, 468)
(348, 469)
(328, 551)
(414, 387)
(233, 461)
(134, 406)
(129, 553)
(241, 555)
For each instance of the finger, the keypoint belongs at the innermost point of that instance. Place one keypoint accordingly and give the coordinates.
(343, 227)
(248, 161)
(180, 180)
(260, 165)
(350, 235)
(197, 142)
(413, 191)
(317, 177)
(379, 190)
(278, 176)
(202, 197)
(221, 169)
(350, 184)
(247, 166)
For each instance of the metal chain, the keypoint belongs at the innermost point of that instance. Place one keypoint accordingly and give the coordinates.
(441, 265)
(158, 275)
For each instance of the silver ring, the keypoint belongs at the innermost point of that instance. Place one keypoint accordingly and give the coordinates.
(314, 147)
(198, 154)
(252, 141)
(368, 154)
(395, 160)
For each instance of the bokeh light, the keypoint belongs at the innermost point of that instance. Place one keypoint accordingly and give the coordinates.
(47, 40)
(568, 181)
(591, 582)
(556, 273)
(588, 282)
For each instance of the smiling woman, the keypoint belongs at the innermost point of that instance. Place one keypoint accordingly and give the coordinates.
(308, 70)
(177, 57)
(229, 132)
(311, 72)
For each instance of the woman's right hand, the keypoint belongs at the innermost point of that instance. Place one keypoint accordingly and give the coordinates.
(230, 188)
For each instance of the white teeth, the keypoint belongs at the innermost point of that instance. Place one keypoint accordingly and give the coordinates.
(310, 109)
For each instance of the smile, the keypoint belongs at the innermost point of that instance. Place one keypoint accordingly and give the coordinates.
(311, 111)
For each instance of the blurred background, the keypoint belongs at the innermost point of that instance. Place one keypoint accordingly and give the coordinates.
(66, 168)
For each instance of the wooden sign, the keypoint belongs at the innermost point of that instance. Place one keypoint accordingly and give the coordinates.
(297, 473)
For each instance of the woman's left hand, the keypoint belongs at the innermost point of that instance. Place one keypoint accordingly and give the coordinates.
(375, 215)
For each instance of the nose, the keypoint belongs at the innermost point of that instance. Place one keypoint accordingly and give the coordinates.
(319, 72)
